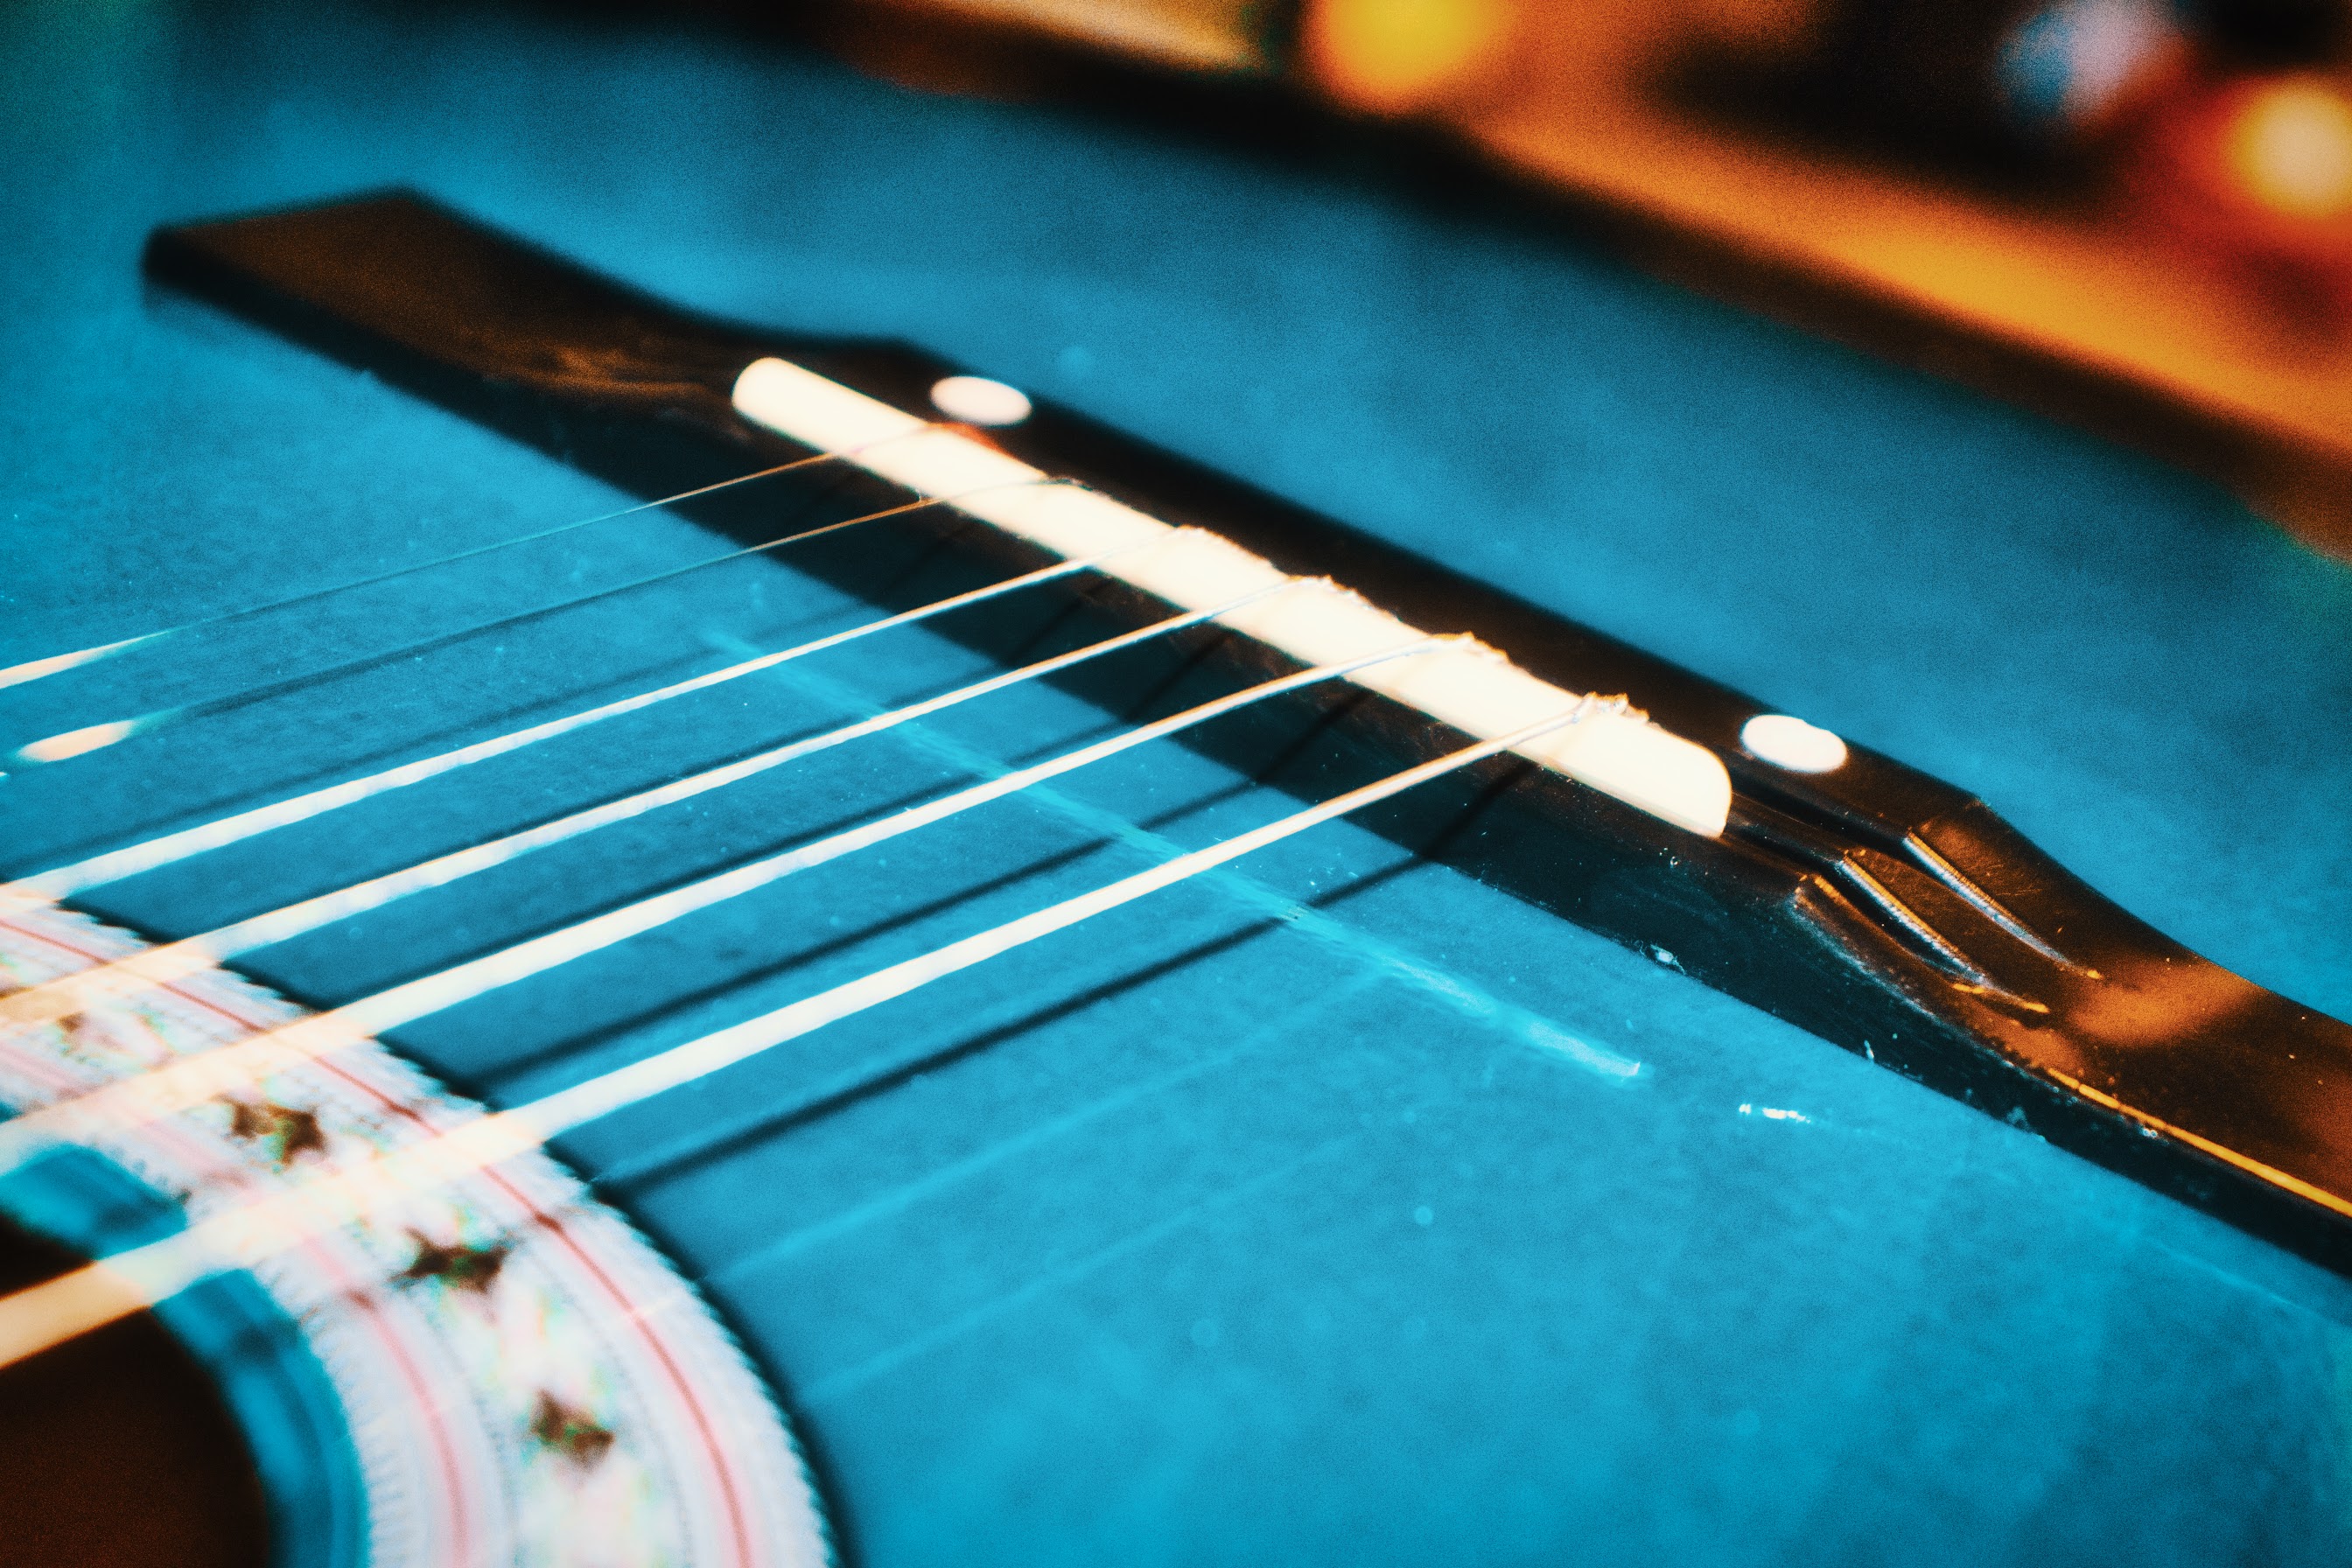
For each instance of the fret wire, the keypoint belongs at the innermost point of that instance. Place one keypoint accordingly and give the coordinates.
(158, 966)
(190, 1081)
(170, 848)
(125, 1282)
(41, 669)
(67, 744)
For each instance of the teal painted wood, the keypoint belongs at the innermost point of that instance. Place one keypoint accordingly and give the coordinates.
(1242, 1238)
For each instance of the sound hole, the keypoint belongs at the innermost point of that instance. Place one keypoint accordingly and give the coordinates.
(116, 1449)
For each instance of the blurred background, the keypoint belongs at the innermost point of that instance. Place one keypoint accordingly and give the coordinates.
(2136, 215)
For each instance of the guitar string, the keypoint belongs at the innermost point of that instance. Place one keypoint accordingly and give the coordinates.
(111, 866)
(158, 966)
(136, 1100)
(67, 744)
(247, 1234)
(41, 669)
(975, 795)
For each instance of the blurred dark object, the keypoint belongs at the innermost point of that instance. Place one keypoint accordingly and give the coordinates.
(2020, 79)
(2129, 213)
(2271, 33)
(115, 1451)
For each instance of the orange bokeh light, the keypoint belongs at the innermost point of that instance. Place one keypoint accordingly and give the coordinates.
(1397, 57)
(2291, 149)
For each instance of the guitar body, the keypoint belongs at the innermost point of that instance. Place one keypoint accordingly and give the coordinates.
(1342, 1207)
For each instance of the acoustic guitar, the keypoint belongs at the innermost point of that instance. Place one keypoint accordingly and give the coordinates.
(634, 938)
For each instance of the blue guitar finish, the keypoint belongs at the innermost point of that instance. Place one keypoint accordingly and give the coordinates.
(1212, 1236)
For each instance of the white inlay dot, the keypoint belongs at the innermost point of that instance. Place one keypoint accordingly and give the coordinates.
(1790, 743)
(976, 400)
